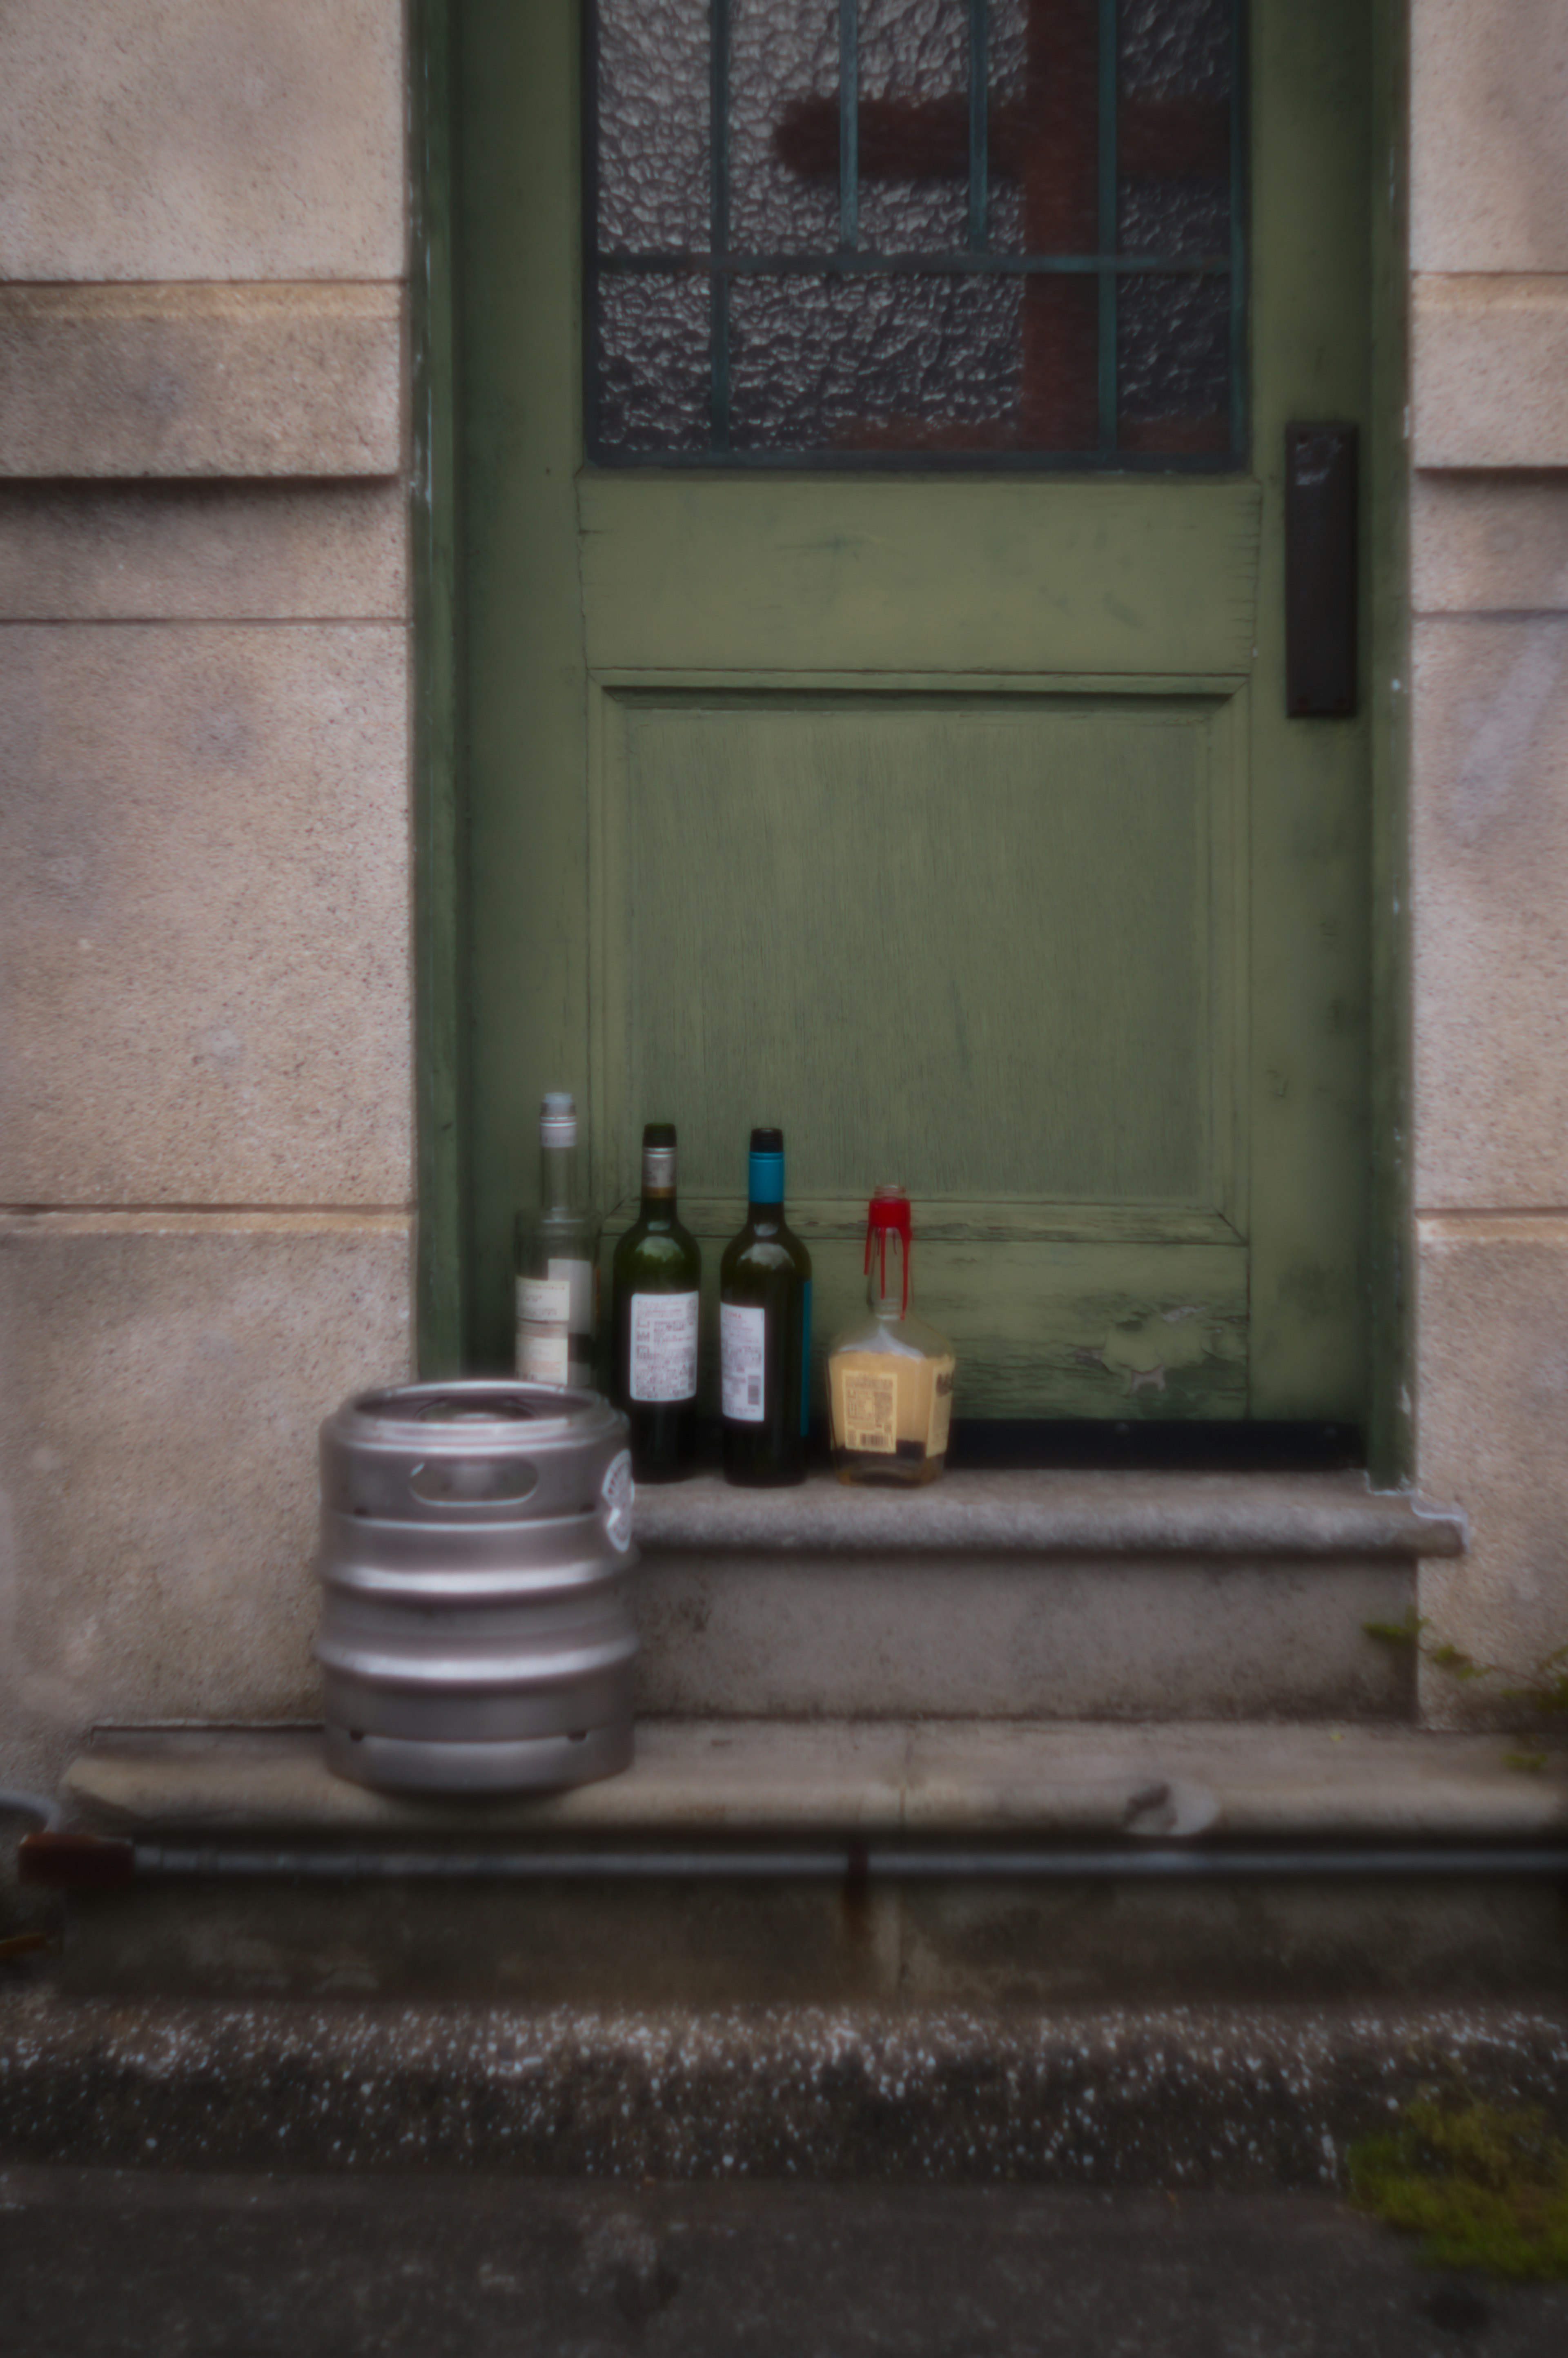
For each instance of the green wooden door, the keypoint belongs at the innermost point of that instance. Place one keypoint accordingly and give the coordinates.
(952, 820)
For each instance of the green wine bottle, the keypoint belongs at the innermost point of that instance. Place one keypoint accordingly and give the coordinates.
(764, 1332)
(656, 1276)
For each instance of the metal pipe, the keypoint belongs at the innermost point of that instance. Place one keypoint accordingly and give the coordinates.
(853, 1863)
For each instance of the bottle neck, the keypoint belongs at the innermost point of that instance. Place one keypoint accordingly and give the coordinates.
(659, 1185)
(765, 1210)
(764, 1189)
(557, 1178)
(886, 1290)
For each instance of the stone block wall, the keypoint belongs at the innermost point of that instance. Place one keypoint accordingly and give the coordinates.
(1490, 792)
(205, 1077)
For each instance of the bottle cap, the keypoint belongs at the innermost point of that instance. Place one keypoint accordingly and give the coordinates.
(557, 1119)
(765, 1172)
(888, 1212)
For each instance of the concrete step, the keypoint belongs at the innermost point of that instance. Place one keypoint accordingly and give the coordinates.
(452, 2265)
(915, 1864)
(1048, 1595)
(1247, 2098)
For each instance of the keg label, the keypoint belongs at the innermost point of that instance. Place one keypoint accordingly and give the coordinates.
(617, 1492)
(742, 1331)
(663, 1346)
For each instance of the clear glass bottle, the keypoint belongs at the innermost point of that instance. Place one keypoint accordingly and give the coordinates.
(556, 1262)
(890, 1376)
(764, 1332)
(657, 1278)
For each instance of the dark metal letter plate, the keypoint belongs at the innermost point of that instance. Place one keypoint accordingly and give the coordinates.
(1320, 572)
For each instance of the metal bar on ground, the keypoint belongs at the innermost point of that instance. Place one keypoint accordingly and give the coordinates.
(850, 1861)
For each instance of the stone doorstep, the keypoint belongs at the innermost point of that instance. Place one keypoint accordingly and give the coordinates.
(1053, 1514)
(955, 1782)
(977, 1551)
(1045, 1595)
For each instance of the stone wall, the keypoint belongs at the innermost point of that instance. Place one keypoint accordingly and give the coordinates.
(1490, 240)
(205, 1092)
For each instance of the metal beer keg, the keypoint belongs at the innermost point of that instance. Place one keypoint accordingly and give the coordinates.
(476, 1630)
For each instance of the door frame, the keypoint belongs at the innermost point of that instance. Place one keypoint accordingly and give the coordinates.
(439, 786)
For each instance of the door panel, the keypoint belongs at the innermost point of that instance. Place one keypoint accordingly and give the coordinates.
(953, 821)
(906, 575)
(972, 937)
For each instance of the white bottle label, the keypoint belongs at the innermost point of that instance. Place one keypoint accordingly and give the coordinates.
(545, 1300)
(544, 1305)
(578, 1278)
(663, 1346)
(743, 1332)
(543, 1357)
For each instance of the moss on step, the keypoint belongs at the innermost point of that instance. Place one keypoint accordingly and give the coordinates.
(1484, 2185)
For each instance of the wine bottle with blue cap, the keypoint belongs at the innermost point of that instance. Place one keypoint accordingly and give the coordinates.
(764, 1332)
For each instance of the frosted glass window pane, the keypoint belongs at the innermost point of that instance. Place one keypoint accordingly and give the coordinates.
(783, 125)
(1176, 49)
(1173, 127)
(1045, 138)
(653, 364)
(1106, 148)
(1171, 218)
(1174, 363)
(889, 364)
(654, 166)
(1006, 63)
(914, 125)
(1059, 398)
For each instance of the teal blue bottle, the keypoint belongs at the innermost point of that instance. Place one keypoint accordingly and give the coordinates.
(764, 1332)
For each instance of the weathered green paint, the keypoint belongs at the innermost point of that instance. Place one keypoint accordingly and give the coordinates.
(1071, 1330)
(851, 647)
(1310, 841)
(943, 575)
(1390, 1421)
(1067, 1328)
(1020, 910)
(439, 1309)
(527, 915)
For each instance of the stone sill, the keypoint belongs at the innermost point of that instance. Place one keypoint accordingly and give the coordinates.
(960, 1780)
(1052, 1513)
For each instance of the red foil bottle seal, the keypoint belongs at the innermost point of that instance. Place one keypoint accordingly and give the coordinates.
(888, 1210)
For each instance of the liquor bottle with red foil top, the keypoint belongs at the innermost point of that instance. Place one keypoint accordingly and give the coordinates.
(890, 1377)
